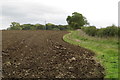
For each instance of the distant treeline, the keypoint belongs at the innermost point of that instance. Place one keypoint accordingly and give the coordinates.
(48, 26)
(75, 21)
(110, 31)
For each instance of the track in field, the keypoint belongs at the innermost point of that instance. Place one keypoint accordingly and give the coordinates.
(44, 54)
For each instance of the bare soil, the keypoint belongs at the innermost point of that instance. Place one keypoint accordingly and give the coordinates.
(44, 54)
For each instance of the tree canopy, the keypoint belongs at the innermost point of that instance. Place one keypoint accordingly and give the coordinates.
(77, 20)
(48, 26)
(15, 26)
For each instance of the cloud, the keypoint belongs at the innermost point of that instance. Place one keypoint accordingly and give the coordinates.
(119, 13)
(11, 11)
(98, 13)
(30, 13)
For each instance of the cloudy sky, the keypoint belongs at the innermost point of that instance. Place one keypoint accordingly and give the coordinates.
(100, 13)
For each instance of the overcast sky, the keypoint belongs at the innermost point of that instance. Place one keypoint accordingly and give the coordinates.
(100, 13)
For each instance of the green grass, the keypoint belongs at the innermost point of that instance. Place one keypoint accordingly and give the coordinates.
(106, 50)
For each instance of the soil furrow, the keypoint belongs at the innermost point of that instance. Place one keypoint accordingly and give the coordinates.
(44, 54)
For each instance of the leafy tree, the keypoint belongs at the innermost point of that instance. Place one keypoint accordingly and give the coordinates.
(50, 26)
(39, 27)
(76, 20)
(63, 27)
(15, 26)
(27, 26)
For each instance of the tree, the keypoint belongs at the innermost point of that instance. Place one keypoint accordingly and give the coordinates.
(49, 26)
(77, 20)
(39, 27)
(15, 26)
(27, 27)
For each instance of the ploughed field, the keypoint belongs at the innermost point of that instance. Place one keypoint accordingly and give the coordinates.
(44, 54)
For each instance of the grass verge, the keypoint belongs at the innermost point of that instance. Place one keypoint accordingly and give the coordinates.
(106, 50)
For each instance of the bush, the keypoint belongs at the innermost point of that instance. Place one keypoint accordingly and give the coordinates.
(91, 30)
(118, 31)
(110, 31)
(100, 32)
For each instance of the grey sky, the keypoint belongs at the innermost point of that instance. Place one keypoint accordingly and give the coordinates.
(100, 13)
(119, 13)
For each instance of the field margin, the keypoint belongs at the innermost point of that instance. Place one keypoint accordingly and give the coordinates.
(71, 39)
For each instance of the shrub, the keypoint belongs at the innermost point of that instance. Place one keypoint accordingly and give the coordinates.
(110, 31)
(91, 30)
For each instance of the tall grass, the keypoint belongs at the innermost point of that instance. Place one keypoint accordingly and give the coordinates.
(106, 50)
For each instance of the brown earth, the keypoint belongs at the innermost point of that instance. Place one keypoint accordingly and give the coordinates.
(44, 54)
